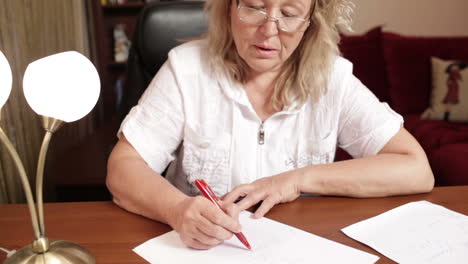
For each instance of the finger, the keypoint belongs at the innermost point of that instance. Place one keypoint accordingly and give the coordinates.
(207, 239)
(193, 243)
(239, 191)
(212, 231)
(250, 200)
(218, 217)
(231, 209)
(266, 205)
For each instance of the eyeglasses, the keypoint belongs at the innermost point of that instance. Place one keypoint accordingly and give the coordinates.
(258, 17)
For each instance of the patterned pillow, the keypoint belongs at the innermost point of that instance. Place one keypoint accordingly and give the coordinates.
(449, 99)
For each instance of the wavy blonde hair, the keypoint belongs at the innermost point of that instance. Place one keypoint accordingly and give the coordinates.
(305, 73)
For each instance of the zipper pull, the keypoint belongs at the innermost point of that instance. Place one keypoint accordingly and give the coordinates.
(261, 135)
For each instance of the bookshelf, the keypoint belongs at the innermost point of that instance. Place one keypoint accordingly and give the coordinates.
(107, 14)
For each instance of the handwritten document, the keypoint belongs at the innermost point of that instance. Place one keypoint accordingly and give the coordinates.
(272, 243)
(417, 232)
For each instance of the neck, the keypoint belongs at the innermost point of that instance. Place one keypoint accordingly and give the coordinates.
(263, 82)
(259, 89)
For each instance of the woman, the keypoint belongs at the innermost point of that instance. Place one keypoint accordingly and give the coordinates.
(260, 119)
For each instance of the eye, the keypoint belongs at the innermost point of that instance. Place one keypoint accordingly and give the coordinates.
(288, 13)
(253, 4)
(256, 7)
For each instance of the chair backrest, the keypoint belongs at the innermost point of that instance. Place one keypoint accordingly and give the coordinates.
(160, 27)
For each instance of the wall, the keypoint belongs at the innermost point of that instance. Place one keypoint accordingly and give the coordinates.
(413, 17)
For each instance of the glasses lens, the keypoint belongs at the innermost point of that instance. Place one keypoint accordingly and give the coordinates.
(292, 24)
(251, 15)
(257, 17)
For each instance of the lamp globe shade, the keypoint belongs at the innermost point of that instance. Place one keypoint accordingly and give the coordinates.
(5, 79)
(64, 86)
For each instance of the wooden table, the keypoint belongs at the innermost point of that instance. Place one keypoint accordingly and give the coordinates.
(111, 233)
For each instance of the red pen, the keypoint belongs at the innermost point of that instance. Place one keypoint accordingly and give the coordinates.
(206, 190)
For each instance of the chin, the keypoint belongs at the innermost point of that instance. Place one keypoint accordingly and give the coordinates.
(263, 66)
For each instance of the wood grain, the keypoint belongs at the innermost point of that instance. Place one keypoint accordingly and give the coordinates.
(111, 233)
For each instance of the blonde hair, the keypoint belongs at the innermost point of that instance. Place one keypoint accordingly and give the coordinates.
(305, 73)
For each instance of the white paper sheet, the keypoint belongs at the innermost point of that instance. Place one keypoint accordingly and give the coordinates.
(272, 242)
(417, 232)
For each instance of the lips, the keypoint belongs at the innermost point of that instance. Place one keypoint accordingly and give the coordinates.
(265, 47)
(265, 51)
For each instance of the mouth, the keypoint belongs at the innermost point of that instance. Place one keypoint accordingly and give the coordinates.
(265, 48)
(265, 51)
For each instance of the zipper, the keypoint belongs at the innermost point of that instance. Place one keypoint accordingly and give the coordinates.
(261, 141)
(261, 134)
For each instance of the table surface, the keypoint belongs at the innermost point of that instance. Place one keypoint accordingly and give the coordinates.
(111, 233)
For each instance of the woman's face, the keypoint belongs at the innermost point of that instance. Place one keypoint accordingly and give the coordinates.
(266, 47)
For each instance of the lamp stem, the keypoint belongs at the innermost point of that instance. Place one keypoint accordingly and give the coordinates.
(50, 125)
(24, 181)
(39, 179)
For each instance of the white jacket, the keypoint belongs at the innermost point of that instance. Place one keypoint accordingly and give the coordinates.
(207, 126)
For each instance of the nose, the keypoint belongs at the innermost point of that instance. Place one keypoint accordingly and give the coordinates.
(270, 28)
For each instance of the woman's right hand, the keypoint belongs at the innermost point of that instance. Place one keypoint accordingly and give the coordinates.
(201, 225)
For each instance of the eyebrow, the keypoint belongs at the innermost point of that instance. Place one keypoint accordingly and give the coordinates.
(296, 4)
(299, 5)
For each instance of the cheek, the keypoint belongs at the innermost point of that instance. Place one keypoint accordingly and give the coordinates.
(236, 30)
(241, 34)
(293, 42)
(236, 36)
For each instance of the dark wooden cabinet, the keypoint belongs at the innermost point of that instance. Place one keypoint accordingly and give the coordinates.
(80, 172)
(106, 17)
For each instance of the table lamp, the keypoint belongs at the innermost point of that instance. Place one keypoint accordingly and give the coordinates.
(61, 88)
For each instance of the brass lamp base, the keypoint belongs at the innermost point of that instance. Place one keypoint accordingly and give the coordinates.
(59, 252)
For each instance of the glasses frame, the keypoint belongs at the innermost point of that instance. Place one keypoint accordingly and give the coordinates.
(267, 18)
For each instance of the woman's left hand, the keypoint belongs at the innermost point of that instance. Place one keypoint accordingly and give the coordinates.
(271, 190)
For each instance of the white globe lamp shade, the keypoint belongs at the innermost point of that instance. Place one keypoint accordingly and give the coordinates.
(64, 86)
(5, 79)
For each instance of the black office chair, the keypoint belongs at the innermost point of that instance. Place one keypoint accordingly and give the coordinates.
(160, 27)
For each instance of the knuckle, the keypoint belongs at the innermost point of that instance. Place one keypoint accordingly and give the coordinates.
(217, 218)
(211, 241)
(222, 234)
(271, 201)
(186, 231)
(198, 245)
(215, 241)
(231, 209)
(241, 189)
(187, 241)
(259, 195)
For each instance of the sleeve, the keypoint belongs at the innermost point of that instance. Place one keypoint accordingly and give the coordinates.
(366, 124)
(154, 127)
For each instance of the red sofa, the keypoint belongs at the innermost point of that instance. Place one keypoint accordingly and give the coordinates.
(397, 69)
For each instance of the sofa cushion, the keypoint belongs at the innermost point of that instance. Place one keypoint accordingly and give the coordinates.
(365, 52)
(409, 67)
(433, 134)
(449, 164)
(449, 96)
